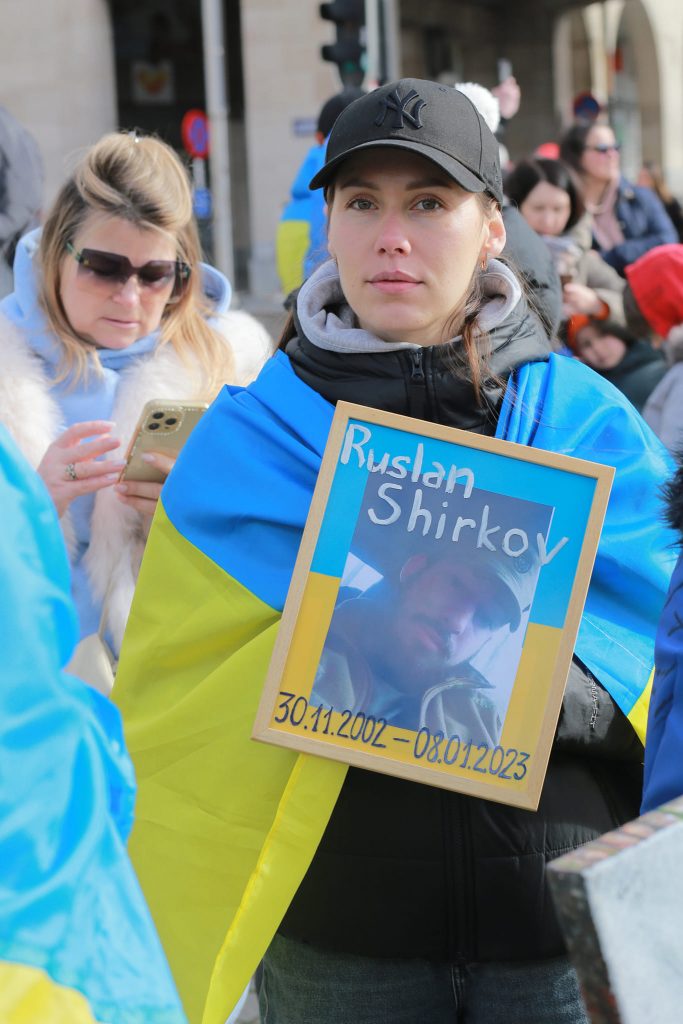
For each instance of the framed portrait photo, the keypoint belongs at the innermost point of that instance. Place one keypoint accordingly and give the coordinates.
(430, 622)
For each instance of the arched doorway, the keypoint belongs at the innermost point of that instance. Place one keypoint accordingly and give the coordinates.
(634, 102)
(571, 62)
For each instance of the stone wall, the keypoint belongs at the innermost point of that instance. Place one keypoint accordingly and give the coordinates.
(57, 76)
(286, 82)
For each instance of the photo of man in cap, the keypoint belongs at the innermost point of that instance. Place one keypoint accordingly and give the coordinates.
(412, 647)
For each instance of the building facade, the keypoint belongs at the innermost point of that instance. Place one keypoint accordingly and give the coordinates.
(73, 69)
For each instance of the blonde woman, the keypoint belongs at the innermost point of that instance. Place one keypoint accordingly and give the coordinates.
(112, 307)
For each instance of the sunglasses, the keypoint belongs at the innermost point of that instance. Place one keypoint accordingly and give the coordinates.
(612, 147)
(107, 270)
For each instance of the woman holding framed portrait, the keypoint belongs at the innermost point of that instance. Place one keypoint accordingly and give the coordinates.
(373, 898)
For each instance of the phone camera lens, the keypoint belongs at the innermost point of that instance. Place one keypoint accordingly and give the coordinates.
(171, 421)
(154, 426)
(157, 415)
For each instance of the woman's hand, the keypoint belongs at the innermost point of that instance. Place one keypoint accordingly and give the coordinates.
(68, 467)
(144, 496)
(579, 298)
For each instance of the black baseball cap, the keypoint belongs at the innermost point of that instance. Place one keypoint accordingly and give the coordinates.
(435, 121)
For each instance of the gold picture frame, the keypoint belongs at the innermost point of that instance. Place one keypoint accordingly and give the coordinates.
(433, 610)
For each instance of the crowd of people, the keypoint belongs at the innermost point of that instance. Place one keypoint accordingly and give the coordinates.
(595, 228)
(540, 303)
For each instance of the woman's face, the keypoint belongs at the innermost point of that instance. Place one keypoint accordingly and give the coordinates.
(108, 313)
(600, 157)
(645, 178)
(600, 352)
(546, 209)
(407, 240)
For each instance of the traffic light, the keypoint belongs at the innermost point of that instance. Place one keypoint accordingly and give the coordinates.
(348, 52)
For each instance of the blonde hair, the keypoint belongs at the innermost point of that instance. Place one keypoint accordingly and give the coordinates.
(140, 180)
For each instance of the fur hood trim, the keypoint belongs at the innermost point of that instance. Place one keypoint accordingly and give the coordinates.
(27, 409)
(33, 418)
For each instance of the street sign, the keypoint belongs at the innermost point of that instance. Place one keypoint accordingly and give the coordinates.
(586, 106)
(304, 126)
(202, 204)
(194, 130)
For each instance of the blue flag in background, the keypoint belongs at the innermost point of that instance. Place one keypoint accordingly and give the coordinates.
(77, 943)
(563, 406)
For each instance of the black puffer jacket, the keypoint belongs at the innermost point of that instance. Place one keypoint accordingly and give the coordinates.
(407, 870)
(430, 384)
(638, 373)
(530, 257)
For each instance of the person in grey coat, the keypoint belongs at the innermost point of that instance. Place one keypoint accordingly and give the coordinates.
(663, 410)
(21, 190)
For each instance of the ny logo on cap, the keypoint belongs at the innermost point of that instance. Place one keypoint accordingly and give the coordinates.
(399, 107)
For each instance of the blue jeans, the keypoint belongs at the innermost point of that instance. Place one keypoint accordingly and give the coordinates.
(303, 985)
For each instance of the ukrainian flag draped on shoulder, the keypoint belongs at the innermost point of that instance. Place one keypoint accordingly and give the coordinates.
(226, 827)
(562, 406)
(77, 944)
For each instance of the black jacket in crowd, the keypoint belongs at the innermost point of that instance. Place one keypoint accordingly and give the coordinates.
(638, 373)
(407, 870)
(530, 257)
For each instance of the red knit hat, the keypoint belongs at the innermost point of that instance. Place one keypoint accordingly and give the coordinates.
(548, 150)
(656, 280)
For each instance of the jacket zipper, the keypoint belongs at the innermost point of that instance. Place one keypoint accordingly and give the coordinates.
(418, 389)
(417, 373)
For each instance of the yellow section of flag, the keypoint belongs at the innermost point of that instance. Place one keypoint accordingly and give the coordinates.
(637, 716)
(29, 996)
(218, 861)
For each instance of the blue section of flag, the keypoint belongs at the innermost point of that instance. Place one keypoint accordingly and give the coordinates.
(271, 437)
(249, 518)
(69, 900)
(336, 531)
(565, 407)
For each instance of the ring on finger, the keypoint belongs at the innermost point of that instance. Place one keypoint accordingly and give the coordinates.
(70, 471)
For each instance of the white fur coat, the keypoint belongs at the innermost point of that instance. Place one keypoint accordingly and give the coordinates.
(34, 419)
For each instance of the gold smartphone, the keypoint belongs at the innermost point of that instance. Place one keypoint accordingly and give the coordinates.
(162, 427)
